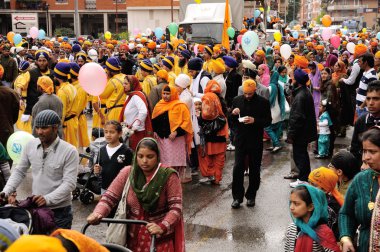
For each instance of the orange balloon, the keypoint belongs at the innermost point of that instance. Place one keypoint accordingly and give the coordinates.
(326, 20)
(10, 36)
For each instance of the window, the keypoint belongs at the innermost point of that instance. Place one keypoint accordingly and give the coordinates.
(119, 1)
(61, 1)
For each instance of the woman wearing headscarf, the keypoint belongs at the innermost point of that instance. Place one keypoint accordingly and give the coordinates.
(154, 194)
(214, 131)
(331, 60)
(173, 129)
(135, 113)
(315, 78)
(340, 72)
(277, 105)
(326, 180)
(264, 74)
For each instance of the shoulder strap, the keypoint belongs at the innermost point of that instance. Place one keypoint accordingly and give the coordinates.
(120, 94)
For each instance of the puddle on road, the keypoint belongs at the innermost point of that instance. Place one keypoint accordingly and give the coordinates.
(195, 232)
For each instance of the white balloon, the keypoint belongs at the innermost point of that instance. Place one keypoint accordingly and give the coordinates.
(148, 31)
(351, 47)
(285, 51)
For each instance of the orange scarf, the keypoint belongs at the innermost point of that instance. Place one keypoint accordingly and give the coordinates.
(211, 109)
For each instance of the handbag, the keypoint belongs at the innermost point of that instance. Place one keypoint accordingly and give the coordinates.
(212, 127)
(117, 233)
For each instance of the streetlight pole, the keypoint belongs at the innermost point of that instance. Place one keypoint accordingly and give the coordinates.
(116, 19)
(171, 9)
(47, 19)
(76, 19)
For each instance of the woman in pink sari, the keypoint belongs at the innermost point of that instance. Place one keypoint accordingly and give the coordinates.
(264, 74)
(154, 195)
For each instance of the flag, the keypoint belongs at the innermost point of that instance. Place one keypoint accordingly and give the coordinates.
(227, 23)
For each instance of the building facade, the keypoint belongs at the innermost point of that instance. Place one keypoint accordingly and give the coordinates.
(96, 16)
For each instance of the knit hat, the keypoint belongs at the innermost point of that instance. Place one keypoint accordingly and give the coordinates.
(46, 83)
(74, 69)
(182, 80)
(76, 48)
(37, 243)
(301, 77)
(42, 54)
(249, 86)
(208, 49)
(61, 70)
(170, 46)
(81, 55)
(217, 66)
(24, 65)
(146, 65)
(113, 64)
(157, 67)
(47, 118)
(186, 54)
(230, 61)
(8, 234)
(248, 64)
(168, 62)
(182, 47)
(195, 64)
(163, 74)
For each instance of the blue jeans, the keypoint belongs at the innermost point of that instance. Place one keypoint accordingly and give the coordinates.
(274, 131)
(63, 217)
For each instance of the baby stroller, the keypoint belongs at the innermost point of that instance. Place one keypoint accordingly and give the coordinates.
(118, 248)
(87, 182)
(20, 216)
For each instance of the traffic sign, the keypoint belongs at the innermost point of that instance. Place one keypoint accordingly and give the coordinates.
(22, 22)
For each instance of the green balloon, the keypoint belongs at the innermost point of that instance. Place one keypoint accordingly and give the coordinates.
(173, 28)
(231, 32)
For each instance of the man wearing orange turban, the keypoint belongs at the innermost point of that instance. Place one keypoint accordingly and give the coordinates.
(251, 114)
(301, 61)
(259, 58)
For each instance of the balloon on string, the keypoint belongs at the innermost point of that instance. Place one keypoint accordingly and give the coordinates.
(231, 32)
(33, 32)
(17, 39)
(107, 35)
(326, 20)
(198, 1)
(351, 47)
(249, 42)
(239, 38)
(158, 32)
(256, 13)
(11, 35)
(326, 34)
(173, 28)
(295, 34)
(41, 34)
(335, 41)
(92, 78)
(344, 31)
(277, 36)
(364, 30)
(377, 35)
(196, 49)
(148, 31)
(136, 31)
(16, 144)
(285, 51)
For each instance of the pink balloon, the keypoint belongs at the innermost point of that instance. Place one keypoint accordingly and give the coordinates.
(136, 31)
(326, 34)
(335, 41)
(92, 78)
(239, 38)
(196, 49)
(33, 32)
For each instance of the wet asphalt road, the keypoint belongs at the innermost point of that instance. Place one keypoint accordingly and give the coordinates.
(211, 224)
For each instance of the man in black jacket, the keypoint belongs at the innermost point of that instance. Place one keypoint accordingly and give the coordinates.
(368, 120)
(251, 113)
(302, 125)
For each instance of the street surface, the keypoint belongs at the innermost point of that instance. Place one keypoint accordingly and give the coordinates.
(211, 224)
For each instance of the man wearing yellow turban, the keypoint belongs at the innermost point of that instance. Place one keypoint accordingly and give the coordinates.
(252, 114)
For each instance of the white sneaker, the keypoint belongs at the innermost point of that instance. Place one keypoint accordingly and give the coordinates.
(297, 183)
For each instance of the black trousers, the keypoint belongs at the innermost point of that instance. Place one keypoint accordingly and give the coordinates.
(302, 161)
(255, 154)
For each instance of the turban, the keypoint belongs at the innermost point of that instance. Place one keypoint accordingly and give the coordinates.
(182, 47)
(186, 54)
(320, 47)
(42, 54)
(216, 49)
(249, 86)
(110, 46)
(163, 74)
(170, 46)
(248, 64)
(260, 53)
(74, 69)
(359, 50)
(326, 179)
(143, 49)
(76, 48)
(213, 86)
(195, 64)
(157, 67)
(37, 243)
(276, 47)
(24, 65)
(309, 44)
(344, 43)
(146, 65)
(217, 66)
(46, 83)
(81, 55)
(301, 77)
(374, 43)
(168, 62)
(208, 50)
(230, 61)
(1, 71)
(140, 56)
(8, 234)
(47, 118)
(182, 80)
(163, 46)
(82, 242)
(301, 61)
(124, 47)
(113, 64)
(377, 55)
(62, 69)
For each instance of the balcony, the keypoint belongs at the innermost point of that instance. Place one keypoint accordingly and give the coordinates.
(345, 7)
(30, 5)
(90, 4)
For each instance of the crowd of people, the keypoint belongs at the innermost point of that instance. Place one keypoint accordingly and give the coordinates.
(170, 110)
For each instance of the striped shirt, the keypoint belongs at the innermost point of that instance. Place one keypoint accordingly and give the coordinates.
(291, 238)
(368, 77)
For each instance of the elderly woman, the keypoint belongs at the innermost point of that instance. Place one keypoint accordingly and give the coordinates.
(154, 195)
(135, 113)
(362, 201)
(173, 130)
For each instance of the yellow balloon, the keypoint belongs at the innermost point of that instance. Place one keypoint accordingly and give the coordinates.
(198, 1)
(277, 36)
(364, 30)
(107, 35)
(261, 9)
(10, 36)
